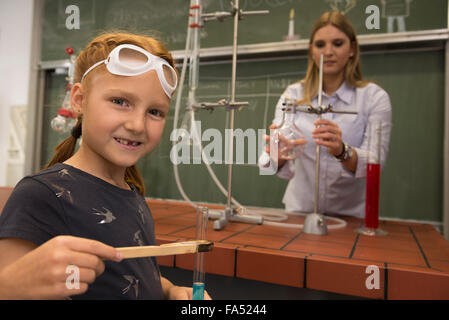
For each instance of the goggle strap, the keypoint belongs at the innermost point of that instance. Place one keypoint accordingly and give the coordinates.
(91, 68)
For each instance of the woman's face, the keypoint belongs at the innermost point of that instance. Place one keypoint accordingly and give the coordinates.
(336, 48)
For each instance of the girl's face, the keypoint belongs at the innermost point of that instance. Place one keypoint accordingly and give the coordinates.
(336, 48)
(123, 117)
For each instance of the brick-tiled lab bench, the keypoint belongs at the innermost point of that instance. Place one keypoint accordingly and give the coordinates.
(412, 260)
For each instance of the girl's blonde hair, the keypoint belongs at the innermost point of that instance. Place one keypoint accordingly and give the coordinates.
(98, 49)
(352, 72)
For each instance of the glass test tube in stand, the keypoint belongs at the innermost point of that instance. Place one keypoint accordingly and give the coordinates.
(371, 227)
(202, 217)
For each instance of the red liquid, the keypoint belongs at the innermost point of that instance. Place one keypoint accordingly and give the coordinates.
(372, 195)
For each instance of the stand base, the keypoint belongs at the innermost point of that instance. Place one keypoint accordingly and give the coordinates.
(371, 232)
(230, 215)
(315, 223)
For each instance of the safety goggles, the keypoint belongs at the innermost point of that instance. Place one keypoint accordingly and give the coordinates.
(130, 60)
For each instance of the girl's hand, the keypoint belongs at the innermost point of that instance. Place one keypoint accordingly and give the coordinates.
(183, 293)
(43, 272)
(328, 134)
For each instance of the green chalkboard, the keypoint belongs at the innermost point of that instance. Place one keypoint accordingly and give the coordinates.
(168, 19)
(412, 179)
(411, 184)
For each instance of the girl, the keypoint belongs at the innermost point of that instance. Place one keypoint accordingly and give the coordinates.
(343, 136)
(123, 87)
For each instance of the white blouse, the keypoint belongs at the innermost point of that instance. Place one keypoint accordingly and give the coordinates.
(340, 191)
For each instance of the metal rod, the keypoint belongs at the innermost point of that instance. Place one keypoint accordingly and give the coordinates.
(194, 23)
(233, 79)
(225, 104)
(220, 15)
(320, 81)
(446, 149)
(254, 12)
(344, 111)
(317, 166)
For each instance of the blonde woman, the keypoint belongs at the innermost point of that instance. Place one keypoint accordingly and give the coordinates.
(342, 137)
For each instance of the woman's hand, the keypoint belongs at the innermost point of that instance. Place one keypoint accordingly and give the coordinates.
(288, 145)
(328, 134)
(43, 272)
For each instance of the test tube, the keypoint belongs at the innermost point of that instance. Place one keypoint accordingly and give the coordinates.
(202, 217)
(373, 180)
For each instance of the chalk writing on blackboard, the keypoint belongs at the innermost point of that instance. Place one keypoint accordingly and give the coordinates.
(344, 6)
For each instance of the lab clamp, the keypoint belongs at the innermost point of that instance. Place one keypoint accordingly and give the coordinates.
(315, 223)
(198, 20)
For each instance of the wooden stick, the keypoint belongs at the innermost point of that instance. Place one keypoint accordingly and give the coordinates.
(166, 249)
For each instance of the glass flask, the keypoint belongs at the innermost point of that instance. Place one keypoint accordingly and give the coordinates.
(285, 135)
(59, 124)
(65, 119)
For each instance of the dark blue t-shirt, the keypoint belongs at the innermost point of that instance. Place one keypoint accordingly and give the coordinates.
(63, 200)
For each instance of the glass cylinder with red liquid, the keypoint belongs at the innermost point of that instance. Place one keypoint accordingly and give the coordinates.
(373, 180)
(372, 195)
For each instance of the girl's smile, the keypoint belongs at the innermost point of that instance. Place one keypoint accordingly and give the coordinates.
(128, 144)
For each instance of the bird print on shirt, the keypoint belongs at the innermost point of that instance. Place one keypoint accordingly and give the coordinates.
(108, 216)
(141, 213)
(138, 238)
(64, 172)
(63, 192)
(133, 283)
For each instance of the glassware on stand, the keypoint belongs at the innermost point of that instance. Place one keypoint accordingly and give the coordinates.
(60, 123)
(66, 119)
(371, 227)
(284, 137)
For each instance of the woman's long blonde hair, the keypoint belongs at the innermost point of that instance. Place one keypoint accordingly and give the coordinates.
(98, 49)
(352, 72)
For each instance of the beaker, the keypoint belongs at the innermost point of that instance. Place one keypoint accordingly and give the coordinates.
(285, 136)
(65, 119)
(373, 180)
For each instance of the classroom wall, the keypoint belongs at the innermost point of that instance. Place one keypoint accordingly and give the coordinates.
(15, 41)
